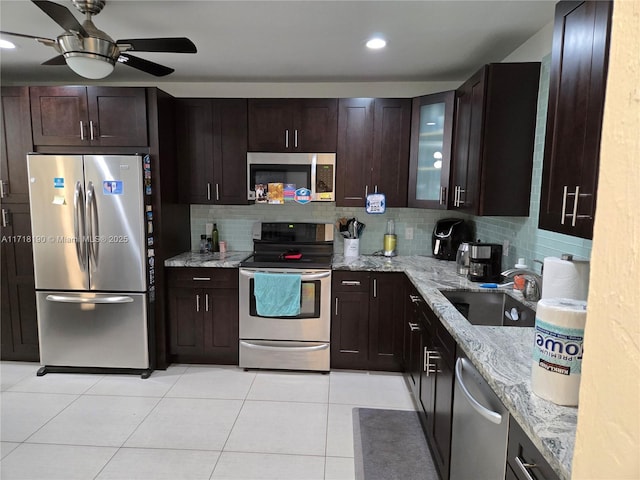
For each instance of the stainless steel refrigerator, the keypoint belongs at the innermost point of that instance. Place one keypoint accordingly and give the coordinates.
(91, 235)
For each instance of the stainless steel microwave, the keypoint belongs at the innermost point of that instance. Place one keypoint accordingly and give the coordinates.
(274, 177)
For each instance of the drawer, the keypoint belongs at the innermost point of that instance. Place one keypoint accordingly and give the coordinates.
(343, 281)
(521, 452)
(202, 277)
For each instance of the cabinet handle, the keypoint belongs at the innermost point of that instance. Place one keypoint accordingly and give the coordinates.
(455, 195)
(5, 216)
(206, 302)
(414, 298)
(375, 288)
(524, 467)
(351, 283)
(366, 191)
(81, 131)
(201, 279)
(443, 193)
(564, 204)
(286, 138)
(575, 206)
(91, 130)
(2, 192)
(208, 191)
(414, 327)
(428, 356)
(460, 192)
(197, 302)
(295, 138)
(217, 192)
(336, 306)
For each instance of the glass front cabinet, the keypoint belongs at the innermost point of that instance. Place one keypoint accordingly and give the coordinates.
(430, 154)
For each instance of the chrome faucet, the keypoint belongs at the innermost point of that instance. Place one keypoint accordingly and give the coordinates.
(532, 282)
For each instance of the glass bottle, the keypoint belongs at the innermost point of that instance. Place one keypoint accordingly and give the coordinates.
(215, 244)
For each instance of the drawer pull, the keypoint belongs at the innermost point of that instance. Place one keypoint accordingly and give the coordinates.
(201, 279)
(351, 283)
(524, 467)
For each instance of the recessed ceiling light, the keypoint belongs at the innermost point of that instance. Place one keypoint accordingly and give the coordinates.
(6, 44)
(376, 43)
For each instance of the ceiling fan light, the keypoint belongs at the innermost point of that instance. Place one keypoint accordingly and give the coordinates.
(89, 66)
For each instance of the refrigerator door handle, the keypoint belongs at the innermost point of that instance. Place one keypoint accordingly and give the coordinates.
(93, 233)
(75, 299)
(79, 226)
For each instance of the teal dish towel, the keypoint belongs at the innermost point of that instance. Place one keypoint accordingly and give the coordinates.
(277, 295)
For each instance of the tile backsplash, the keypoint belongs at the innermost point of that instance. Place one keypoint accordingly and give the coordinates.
(522, 233)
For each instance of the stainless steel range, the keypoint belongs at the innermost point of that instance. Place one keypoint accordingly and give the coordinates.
(285, 297)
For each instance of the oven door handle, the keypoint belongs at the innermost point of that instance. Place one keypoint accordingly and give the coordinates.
(305, 276)
(313, 348)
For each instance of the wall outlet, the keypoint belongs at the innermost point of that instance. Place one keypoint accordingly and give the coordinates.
(505, 248)
(408, 233)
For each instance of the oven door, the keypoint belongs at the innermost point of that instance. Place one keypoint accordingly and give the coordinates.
(312, 324)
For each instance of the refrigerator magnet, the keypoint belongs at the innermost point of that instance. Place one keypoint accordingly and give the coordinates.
(58, 182)
(112, 187)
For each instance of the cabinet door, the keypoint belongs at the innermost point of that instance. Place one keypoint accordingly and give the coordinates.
(59, 115)
(391, 134)
(271, 125)
(579, 62)
(354, 151)
(316, 125)
(194, 138)
(386, 321)
(412, 351)
(230, 152)
(350, 320)
(440, 420)
(15, 143)
(18, 295)
(430, 151)
(221, 337)
(117, 116)
(521, 452)
(466, 157)
(186, 316)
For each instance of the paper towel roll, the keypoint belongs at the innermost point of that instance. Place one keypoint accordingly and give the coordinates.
(557, 351)
(565, 279)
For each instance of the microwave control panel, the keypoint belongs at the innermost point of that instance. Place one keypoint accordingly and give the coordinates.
(324, 178)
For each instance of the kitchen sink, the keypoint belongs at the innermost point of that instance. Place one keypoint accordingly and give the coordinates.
(492, 308)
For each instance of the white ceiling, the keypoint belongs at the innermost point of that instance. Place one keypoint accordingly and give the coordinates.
(289, 41)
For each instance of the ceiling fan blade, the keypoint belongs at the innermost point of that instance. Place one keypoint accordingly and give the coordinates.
(145, 65)
(46, 41)
(61, 15)
(58, 60)
(170, 45)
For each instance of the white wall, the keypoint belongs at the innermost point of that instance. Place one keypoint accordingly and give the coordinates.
(608, 438)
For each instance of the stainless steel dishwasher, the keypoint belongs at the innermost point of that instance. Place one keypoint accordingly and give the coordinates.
(480, 427)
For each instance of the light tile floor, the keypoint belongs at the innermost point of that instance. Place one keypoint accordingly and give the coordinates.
(188, 422)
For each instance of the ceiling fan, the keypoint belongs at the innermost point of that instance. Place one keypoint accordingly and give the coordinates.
(91, 53)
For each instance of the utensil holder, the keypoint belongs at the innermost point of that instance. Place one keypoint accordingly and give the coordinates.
(351, 247)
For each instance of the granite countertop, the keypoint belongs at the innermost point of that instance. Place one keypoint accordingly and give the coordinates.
(211, 260)
(503, 355)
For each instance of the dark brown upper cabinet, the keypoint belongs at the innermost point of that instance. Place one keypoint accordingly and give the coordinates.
(494, 135)
(373, 150)
(579, 60)
(430, 153)
(15, 143)
(293, 125)
(212, 150)
(89, 116)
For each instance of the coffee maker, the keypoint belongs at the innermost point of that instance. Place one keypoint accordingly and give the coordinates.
(448, 234)
(485, 262)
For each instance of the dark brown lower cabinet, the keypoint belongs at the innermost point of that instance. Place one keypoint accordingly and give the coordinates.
(19, 319)
(524, 461)
(429, 353)
(203, 315)
(367, 320)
